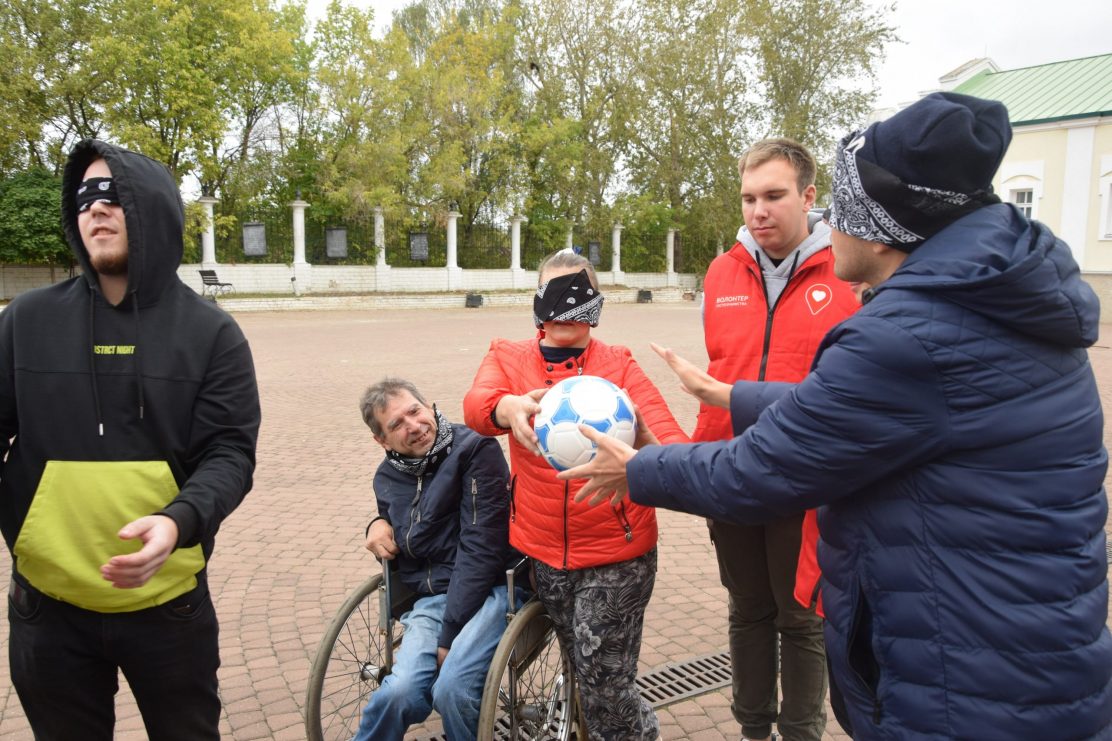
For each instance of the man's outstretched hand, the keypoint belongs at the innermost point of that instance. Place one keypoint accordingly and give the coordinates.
(606, 473)
(696, 381)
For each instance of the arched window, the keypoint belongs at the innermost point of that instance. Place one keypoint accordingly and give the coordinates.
(1021, 183)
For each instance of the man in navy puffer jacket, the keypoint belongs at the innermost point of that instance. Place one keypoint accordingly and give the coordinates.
(950, 433)
(443, 519)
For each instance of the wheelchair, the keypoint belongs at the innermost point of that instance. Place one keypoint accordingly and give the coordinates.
(529, 694)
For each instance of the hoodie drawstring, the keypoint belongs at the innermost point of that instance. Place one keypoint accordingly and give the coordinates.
(93, 361)
(138, 364)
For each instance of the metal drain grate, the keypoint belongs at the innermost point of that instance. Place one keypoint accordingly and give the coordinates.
(685, 679)
(674, 682)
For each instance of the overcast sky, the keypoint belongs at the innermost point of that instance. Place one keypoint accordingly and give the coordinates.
(940, 35)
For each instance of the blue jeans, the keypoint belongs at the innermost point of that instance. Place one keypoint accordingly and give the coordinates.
(414, 688)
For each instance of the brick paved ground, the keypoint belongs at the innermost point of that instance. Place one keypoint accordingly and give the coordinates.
(286, 558)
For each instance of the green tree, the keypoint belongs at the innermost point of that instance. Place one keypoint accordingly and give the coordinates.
(256, 77)
(574, 75)
(182, 76)
(691, 113)
(50, 94)
(30, 219)
(367, 128)
(816, 62)
(471, 100)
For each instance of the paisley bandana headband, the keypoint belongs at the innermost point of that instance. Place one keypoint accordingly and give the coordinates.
(871, 203)
(96, 190)
(568, 298)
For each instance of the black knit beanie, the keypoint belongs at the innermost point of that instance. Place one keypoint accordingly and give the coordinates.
(904, 179)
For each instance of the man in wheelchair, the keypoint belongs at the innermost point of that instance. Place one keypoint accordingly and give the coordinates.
(443, 517)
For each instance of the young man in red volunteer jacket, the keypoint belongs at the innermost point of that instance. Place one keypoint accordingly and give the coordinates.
(768, 302)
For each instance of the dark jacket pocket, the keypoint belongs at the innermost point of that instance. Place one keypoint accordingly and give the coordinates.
(860, 655)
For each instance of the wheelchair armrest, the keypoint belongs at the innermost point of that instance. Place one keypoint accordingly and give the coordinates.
(398, 595)
(519, 576)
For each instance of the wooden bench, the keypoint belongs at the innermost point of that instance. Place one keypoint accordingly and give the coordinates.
(212, 286)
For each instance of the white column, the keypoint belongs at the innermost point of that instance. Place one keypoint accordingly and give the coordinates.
(380, 238)
(616, 253)
(720, 248)
(616, 247)
(1077, 184)
(670, 258)
(517, 275)
(299, 207)
(569, 238)
(382, 270)
(208, 239)
(455, 274)
(452, 217)
(515, 241)
(302, 270)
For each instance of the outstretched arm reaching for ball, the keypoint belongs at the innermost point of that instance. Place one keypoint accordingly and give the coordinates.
(606, 472)
(696, 381)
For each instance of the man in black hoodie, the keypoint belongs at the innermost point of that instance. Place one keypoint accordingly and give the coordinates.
(129, 415)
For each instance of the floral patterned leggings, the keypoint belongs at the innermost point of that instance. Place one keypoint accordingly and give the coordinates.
(598, 613)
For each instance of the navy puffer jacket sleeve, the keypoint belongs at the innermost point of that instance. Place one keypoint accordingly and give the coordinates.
(856, 418)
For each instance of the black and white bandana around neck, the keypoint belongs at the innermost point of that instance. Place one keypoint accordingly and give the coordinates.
(871, 203)
(568, 298)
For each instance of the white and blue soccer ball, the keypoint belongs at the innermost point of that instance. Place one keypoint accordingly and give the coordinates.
(582, 400)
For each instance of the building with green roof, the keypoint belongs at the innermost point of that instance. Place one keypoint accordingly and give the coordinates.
(1058, 168)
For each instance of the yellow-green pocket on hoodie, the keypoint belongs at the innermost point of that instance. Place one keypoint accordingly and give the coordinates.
(71, 531)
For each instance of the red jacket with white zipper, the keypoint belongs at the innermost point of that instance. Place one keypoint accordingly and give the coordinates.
(546, 522)
(747, 342)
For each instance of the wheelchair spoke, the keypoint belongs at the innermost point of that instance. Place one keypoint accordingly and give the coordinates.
(350, 668)
(534, 698)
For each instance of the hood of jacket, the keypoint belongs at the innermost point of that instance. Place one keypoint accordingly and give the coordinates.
(999, 264)
(153, 212)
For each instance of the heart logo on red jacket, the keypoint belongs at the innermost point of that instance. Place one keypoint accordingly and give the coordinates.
(818, 297)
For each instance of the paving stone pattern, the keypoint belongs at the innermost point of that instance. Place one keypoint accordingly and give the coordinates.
(287, 557)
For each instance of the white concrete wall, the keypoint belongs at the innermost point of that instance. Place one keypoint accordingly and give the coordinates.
(380, 301)
(15, 279)
(326, 279)
(339, 279)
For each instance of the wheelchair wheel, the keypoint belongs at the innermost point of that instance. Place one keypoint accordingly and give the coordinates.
(529, 693)
(355, 654)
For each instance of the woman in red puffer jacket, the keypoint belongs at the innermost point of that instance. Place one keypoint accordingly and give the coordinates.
(595, 566)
